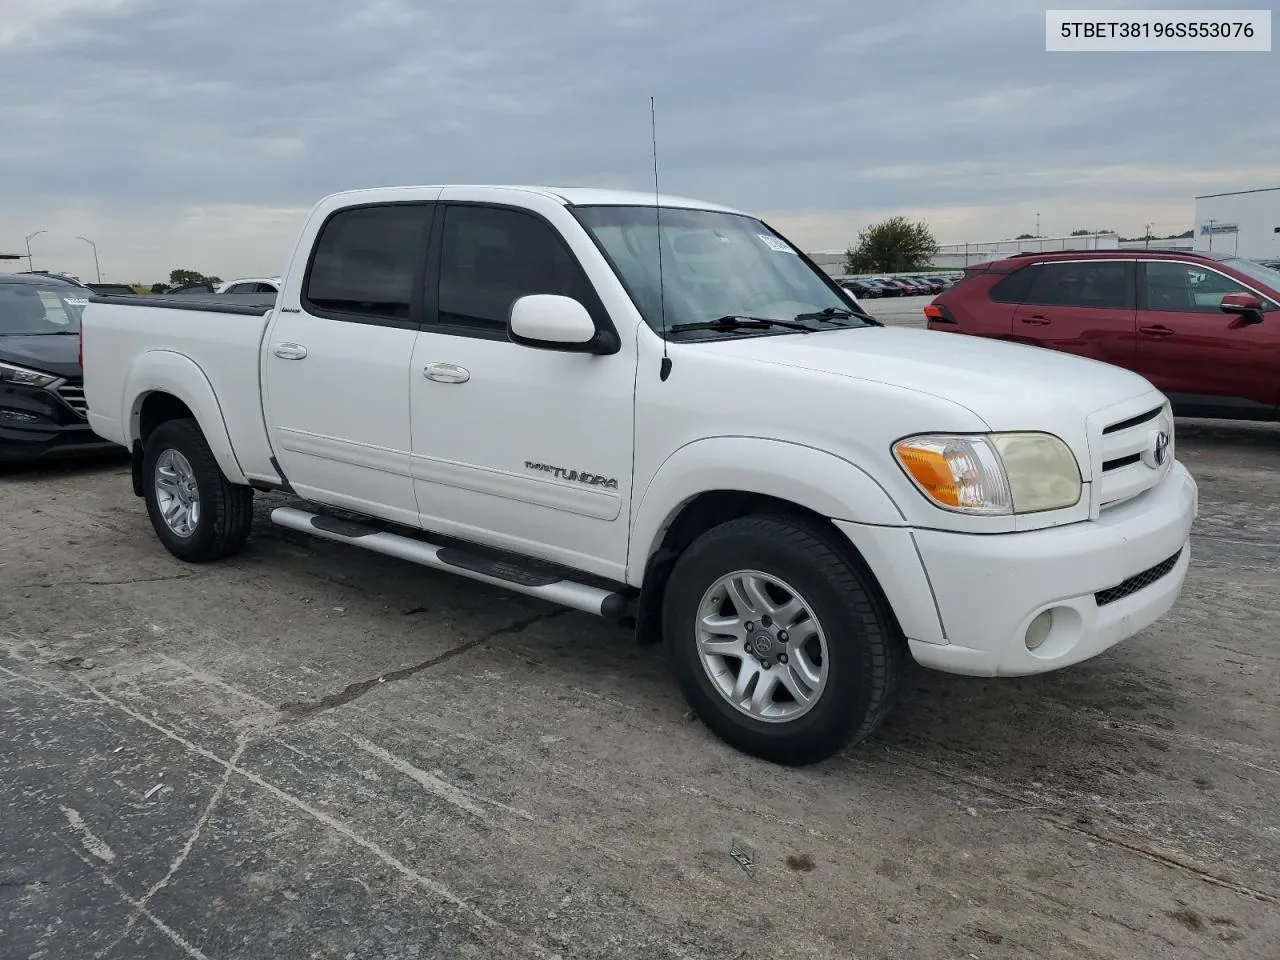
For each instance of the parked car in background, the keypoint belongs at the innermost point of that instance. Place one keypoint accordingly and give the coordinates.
(42, 407)
(111, 288)
(1204, 328)
(56, 276)
(872, 287)
(790, 494)
(887, 287)
(860, 288)
(251, 285)
(199, 287)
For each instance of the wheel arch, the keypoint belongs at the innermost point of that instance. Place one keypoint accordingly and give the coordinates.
(712, 481)
(164, 385)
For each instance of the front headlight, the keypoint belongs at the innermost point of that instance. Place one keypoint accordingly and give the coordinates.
(24, 377)
(992, 474)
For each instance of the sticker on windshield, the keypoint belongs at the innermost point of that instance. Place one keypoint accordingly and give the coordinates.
(773, 243)
(77, 302)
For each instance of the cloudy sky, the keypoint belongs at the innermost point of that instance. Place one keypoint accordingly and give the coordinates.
(195, 133)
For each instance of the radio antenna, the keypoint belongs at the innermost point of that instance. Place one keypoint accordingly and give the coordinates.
(664, 370)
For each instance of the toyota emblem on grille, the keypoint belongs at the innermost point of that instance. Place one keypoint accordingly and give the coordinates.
(1160, 453)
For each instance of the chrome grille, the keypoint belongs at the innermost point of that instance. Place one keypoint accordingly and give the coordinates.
(72, 394)
(1127, 448)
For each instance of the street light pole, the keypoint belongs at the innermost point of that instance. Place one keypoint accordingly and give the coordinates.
(31, 266)
(1148, 243)
(96, 269)
(1211, 223)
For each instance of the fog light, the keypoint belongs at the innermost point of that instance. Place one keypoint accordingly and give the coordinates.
(17, 416)
(1038, 632)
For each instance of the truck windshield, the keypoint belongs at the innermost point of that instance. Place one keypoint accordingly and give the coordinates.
(714, 265)
(31, 309)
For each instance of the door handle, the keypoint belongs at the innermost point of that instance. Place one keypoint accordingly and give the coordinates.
(1156, 330)
(290, 351)
(446, 373)
(1036, 319)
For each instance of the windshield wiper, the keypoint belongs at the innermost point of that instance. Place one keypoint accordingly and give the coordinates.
(831, 314)
(733, 322)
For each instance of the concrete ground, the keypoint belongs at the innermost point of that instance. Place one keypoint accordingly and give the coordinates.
(898, 311)
(313, 752)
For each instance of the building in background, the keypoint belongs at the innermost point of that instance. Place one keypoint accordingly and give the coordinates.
(1245, 223)
(957, 256)
(1160, 243)
(831, 262)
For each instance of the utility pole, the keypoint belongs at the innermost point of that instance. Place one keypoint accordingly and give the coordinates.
(1211, 223)
(30, 266)
(1147, 245)
(96, 269)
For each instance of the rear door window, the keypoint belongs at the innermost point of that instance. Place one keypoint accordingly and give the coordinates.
(1105, 284)
(368, 261)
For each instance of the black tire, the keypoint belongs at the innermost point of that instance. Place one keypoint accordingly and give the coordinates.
(226, 509)
(865, 651)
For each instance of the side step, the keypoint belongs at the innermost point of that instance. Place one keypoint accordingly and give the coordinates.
(475, 566)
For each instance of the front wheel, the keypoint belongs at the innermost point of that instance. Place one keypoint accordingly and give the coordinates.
(779, 641)
(198, 514)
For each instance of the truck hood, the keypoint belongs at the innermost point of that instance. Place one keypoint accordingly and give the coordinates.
(49, 353)
(1007, 385)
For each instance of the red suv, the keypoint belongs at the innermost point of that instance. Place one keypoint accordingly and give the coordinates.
(1203, 328)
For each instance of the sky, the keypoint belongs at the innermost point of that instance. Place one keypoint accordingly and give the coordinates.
(197, 133)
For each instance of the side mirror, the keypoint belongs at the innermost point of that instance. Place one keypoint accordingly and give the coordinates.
(550, 322)
(1245, 304)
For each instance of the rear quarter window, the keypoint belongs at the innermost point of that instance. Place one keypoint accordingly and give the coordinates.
(1014, 287)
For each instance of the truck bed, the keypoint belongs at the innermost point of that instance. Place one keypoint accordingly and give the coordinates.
(204, 349)
(245, 304)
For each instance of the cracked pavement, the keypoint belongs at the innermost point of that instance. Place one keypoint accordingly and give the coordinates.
(311, 751)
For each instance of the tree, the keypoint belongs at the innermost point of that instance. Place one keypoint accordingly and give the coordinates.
(178, 277)
(892, 246)
(159, 288)
(1081, 233)
(1026, 236)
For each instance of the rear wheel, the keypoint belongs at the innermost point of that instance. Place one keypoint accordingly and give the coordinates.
(779, 640)
(198, 514)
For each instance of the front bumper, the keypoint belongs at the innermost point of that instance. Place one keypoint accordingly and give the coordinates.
(1104, 580)
(18, 444)
(36, 424)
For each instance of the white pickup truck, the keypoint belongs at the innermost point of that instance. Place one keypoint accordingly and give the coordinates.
(657, 409)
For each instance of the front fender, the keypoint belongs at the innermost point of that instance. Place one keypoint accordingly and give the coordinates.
(799, 474)
(163, 371)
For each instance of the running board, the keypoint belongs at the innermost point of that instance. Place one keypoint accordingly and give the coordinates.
(475, 566)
